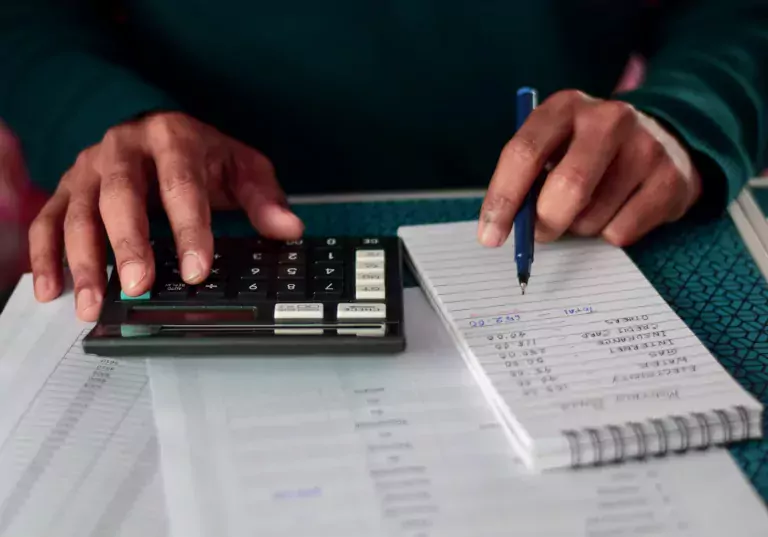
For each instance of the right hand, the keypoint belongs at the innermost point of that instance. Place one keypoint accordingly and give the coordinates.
(194, 167)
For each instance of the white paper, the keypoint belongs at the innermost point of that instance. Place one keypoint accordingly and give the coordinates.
(78, 451)
(591, 346)
(400, 446)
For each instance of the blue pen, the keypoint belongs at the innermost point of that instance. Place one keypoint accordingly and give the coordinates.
(525, 219)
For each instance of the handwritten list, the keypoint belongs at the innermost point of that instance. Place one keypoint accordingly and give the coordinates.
(590, 347)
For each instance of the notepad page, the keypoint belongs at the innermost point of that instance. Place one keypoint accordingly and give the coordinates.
(78, 452)
(400, 447)
(591, 346)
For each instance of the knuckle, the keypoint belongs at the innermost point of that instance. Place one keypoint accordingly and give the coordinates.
(650, 150)
(576, 182)
(79, 216)
(42, 225)
(612, 117)
(178, 180)
(567, 97)
(522, 149)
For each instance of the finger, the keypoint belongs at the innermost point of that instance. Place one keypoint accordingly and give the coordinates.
(180, 171)
(521, 161)
(45, 246)
(599, 131)
(258, 192)
(122, 203)
(630, 167)
(663, 198)
(83, 239)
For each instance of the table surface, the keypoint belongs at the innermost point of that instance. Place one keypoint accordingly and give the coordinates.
(704, 271)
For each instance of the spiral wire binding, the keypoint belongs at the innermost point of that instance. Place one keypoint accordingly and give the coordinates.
(616, 437)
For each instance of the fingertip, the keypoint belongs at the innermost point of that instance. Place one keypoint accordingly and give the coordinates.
(278, 223)
(133, 278)
(88, 304)
(46, 288)
(490, 234)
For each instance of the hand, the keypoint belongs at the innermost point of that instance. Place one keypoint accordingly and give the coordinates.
(621, 175)
(193, 166)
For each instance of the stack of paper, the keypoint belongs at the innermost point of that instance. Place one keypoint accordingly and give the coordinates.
(403, 446)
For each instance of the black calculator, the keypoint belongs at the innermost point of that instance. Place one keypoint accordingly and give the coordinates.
(309, 296)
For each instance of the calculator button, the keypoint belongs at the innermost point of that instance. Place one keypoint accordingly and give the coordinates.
(292, 290)
(291, 256)
(328, 242)
(297, 242)
(326, 270)
(252, 290)
(311, 310)
(361, 311)
(290, 272)
(369, 292)
(256, 273)
(325, 289)
(144, 296)
(369, 242)
(369, 279)
(217, 273)
(370, 331)
(260, 256)
(369, 267)
(172, 290)
(328, 254)
(210, 290)
(299, 331)
(368, 255)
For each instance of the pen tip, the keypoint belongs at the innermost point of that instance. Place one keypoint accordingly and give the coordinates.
(522, 287)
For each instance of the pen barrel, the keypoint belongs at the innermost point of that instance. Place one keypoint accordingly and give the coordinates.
(524, 226)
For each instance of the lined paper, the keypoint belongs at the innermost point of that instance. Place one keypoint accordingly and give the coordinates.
(591, 345)
(78, 451)
(400, 446)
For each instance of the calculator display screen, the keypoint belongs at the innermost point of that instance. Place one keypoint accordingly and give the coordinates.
(181, 316)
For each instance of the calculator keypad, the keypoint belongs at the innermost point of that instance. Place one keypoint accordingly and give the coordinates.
(338, 293)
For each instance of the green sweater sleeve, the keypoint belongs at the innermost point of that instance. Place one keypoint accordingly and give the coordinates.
(707, 79)
(62, 82)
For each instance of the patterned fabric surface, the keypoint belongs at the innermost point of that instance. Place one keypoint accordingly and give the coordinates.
(704, 271)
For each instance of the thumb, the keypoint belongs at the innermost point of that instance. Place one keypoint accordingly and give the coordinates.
(259, 194)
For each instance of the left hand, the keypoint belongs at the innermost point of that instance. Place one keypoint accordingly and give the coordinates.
(621, 175)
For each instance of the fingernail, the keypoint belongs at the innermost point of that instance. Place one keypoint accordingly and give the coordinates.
(42, 285)
(85, 299)
(131, 274)
(490, 234)
(191, 268)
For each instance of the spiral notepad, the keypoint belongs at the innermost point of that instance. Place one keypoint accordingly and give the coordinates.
(591, 365)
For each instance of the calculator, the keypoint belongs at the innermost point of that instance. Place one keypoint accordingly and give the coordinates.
(314, 295)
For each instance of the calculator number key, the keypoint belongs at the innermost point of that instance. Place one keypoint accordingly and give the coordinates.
(328, 289)
(328, 254)
(256, 273)
(290, 272)
(251, 290)
(331, 271)
(291, 256)
(287, 289)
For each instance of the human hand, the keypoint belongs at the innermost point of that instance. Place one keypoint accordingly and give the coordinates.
(193, 165)
(621, 175)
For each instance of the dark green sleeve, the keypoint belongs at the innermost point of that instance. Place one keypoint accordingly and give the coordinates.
(707, 80)
(63, 82)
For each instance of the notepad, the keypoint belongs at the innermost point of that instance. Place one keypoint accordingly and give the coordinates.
(591, 365)
(401, 446)
(78, 451)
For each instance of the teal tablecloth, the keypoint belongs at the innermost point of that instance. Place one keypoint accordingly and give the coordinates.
(703, 271)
